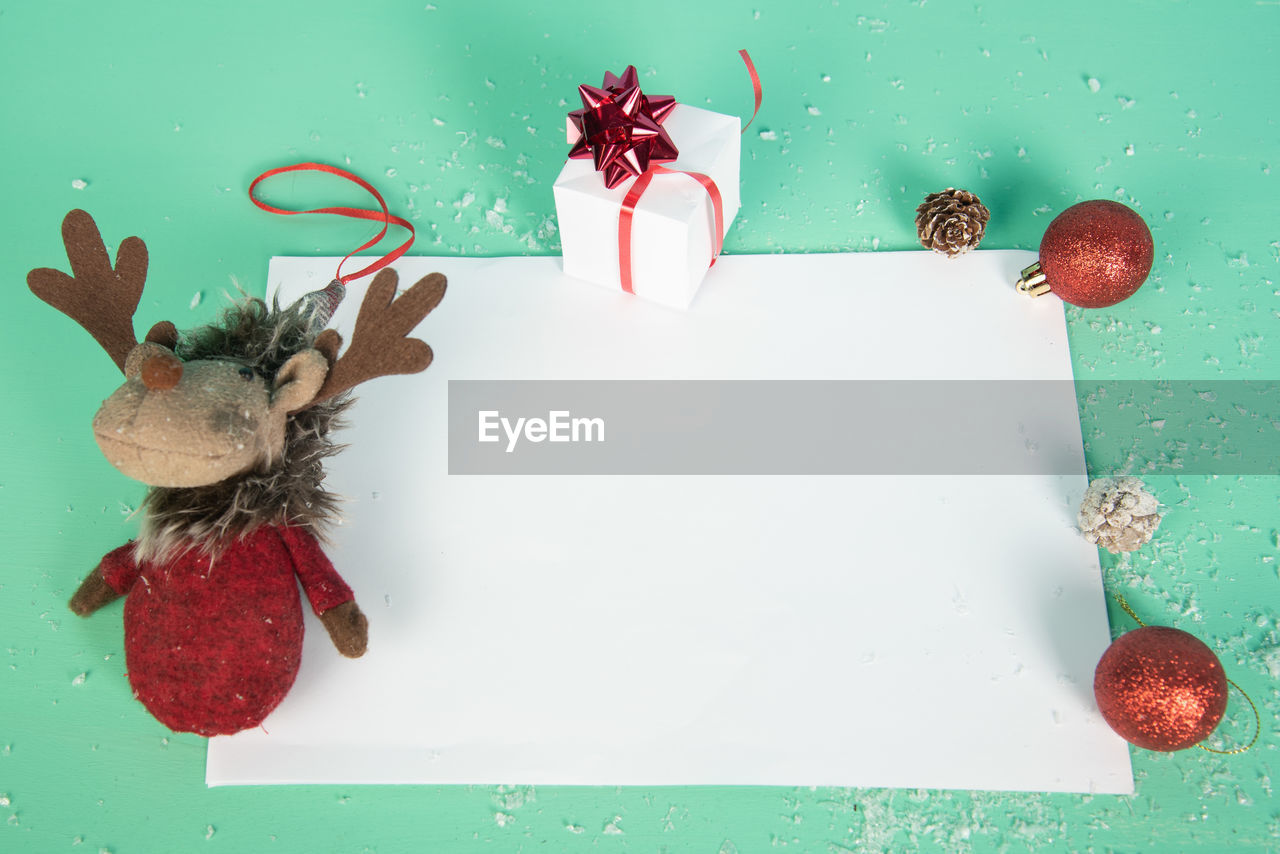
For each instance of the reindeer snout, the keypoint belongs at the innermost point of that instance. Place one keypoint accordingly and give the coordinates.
(161, 372)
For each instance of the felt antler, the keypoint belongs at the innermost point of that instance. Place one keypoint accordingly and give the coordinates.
(99, 297)
(378, 344)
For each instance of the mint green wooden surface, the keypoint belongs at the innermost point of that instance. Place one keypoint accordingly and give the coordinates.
(165, 111)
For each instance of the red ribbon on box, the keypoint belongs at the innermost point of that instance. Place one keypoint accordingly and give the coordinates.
(632, 198)
(621, 130)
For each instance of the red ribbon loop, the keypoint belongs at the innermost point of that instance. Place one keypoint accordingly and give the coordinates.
(383, 216)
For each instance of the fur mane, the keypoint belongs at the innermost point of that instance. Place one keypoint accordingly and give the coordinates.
(288, 491)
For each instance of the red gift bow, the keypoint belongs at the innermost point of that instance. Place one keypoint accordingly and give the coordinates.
(620, 128)
(624, 89)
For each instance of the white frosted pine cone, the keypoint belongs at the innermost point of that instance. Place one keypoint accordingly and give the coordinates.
(1118, 514)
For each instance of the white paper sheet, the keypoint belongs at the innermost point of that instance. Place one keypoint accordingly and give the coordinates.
(915, 631)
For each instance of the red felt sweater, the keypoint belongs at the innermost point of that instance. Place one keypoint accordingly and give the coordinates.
(212, 646)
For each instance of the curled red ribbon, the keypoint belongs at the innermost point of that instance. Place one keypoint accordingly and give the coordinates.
(755, 84)
(383, 216)
(632, 198)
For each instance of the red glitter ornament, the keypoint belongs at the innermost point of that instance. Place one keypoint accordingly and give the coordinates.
(1094, 254)
(1160, 688)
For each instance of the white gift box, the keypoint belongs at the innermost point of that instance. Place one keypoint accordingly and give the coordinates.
(673, 224)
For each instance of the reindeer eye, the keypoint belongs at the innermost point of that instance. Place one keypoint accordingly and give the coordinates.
(246, 374)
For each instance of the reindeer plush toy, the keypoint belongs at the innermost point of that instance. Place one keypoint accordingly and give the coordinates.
(228, 425)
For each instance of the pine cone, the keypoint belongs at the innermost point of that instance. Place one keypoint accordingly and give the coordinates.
(951, 222)
(1118, 514)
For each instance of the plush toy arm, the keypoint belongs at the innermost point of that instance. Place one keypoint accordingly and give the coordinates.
(110, 580)
(330, 597)
(93, 593)
(348, 629)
